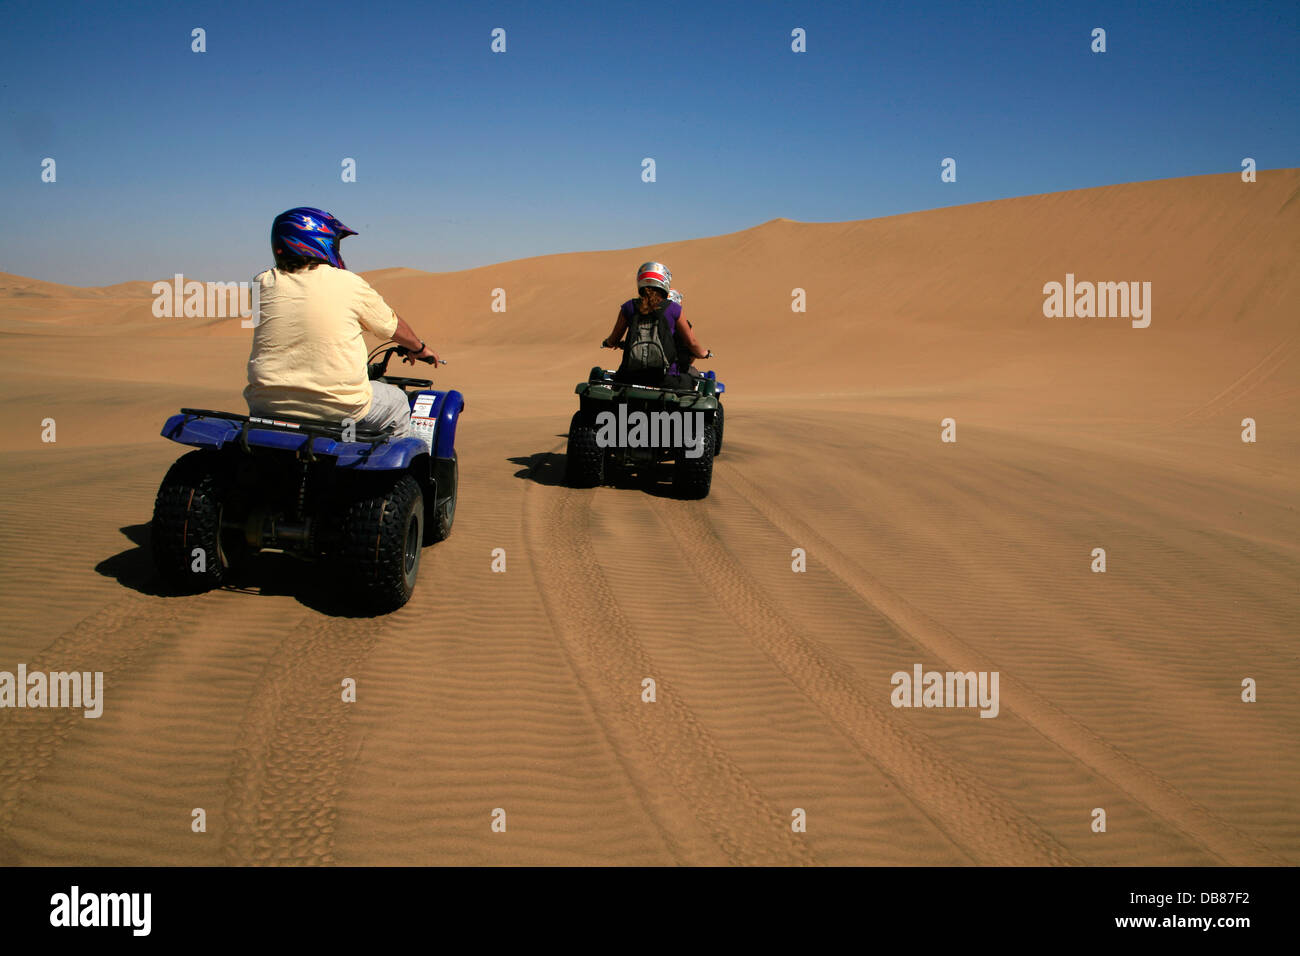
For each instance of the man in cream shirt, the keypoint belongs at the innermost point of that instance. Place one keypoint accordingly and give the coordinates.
(309, 357)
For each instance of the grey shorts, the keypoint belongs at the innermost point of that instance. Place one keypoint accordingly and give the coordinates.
(387, 404)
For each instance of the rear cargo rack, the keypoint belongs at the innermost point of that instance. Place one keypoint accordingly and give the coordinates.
(311, 429)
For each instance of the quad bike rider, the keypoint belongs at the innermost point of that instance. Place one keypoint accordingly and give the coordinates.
(676, 295)
(336, 463)
(688, 360)
(650, 355)
(308, 355)
(688, 347)
(656, 343)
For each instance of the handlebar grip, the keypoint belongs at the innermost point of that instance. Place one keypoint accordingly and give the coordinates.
(403, 351)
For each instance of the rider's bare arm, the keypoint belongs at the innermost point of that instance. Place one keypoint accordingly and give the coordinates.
(690, 341)
(405, 336)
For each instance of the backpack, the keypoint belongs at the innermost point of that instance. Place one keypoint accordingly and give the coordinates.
(649, 348)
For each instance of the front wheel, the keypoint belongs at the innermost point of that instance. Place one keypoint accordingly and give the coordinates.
(380, 537)
(584, 462)
(692, 477)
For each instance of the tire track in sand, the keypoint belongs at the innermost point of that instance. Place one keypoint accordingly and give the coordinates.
(1245, 383)
(113, 640)
(1153, 792)
(283, 790)
(967, 811)
(663, 747)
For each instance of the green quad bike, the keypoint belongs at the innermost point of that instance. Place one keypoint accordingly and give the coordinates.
(605, 405)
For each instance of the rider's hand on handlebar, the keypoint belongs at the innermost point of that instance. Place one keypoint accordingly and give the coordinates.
(425, 355)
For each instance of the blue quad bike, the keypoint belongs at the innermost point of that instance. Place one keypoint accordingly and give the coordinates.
(359, 503)
(588, 463)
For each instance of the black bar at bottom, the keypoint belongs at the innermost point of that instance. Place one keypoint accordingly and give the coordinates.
(975, 907)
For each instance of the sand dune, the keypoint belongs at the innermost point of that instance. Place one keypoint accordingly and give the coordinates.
(523, 690)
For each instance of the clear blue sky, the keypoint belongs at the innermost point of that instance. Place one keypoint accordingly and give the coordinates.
(172, 161)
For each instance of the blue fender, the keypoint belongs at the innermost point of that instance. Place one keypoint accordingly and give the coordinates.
(446, 410)
(390, 456)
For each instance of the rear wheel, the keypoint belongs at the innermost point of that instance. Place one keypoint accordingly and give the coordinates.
(584, 463)
(380, 537)
(190, 549)
(692, 477)
(717, 431)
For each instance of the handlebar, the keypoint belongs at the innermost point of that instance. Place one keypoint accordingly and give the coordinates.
(427, 361)
(618, 345)
(377, 369)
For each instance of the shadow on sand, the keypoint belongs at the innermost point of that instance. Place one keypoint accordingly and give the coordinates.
(547, 468)
(262, 575)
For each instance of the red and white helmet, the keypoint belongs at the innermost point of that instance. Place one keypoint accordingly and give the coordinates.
(674, 296)
(654, 275)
